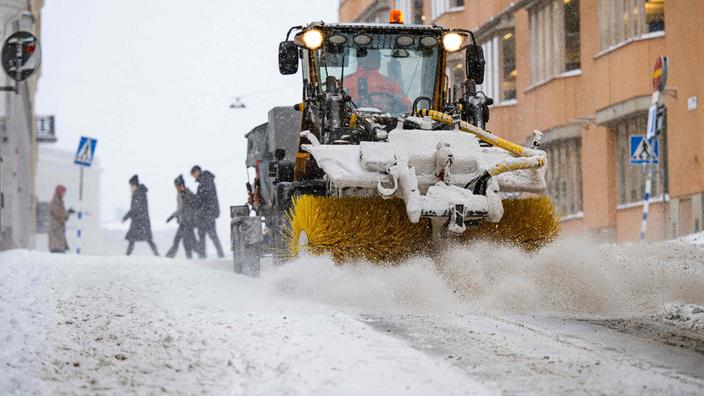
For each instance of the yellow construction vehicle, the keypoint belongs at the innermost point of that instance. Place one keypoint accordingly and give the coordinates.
(385, 158)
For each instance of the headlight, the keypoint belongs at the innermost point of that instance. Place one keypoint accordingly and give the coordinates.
(452, 41)
(312, 39)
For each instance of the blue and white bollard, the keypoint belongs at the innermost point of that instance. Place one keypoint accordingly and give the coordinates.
(646, 202)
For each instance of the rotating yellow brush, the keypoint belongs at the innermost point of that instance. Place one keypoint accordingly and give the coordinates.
(348, 228)
(378, 230)
(529, 223)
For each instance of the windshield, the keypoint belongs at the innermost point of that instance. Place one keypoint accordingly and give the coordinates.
(381, 75)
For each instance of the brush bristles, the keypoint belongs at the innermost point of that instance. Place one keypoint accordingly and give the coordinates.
(349, 228)
(379, 231)
(529, 223)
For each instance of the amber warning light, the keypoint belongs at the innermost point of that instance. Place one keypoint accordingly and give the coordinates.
(396, 16)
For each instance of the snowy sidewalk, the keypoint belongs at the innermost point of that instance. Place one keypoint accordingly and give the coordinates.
(115, 325)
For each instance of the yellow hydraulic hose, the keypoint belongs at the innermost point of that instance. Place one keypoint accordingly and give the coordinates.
(353, 121)
(490, 138)
(516, 164)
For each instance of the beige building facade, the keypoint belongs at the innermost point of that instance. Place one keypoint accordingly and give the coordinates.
(580, 70)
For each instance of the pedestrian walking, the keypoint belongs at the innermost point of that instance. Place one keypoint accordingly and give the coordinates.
(186, 215)
(58, 216)
(140, 227)
(209, 208)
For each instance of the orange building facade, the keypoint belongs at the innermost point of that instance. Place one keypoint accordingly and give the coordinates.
(580, 71)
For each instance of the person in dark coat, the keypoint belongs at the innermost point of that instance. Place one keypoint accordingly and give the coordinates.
(187, 216)
(58, 216)
(140, 227)
(209, 208)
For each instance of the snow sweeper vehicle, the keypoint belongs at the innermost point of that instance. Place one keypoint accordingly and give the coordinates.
(383, 159)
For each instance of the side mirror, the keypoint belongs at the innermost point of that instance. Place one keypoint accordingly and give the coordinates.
(288, 58)
(475, 63)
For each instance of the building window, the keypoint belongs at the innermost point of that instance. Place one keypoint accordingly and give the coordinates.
(625, 19)
(418, 17)
(655, 15)
(491, 72)
(500, 73)
(554, 38)
(412, 11)
(381, 16)
(405, 7)
(631, 178)
(572, 44)
(564, 175)
(439, 7)
(456, 74)
(376, 12)
(508, 65)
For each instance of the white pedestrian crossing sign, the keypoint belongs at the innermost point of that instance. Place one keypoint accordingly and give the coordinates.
(86, 151)
(642, 151)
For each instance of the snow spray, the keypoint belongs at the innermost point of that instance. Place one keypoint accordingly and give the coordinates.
(570, 277)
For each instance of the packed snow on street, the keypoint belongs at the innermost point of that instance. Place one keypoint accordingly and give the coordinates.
(576, 317)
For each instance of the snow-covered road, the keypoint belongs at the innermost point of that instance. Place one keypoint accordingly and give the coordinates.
(574, 318)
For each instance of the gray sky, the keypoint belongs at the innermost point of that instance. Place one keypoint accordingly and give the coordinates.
(153, 81)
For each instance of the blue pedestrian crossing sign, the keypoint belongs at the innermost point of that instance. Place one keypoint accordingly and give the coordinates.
(644, 151)
(86, 151)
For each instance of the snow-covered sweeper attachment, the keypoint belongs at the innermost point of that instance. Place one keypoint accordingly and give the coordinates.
(387, 157)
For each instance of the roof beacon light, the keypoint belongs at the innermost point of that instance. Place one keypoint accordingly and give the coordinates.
(452, 41)
(396, 16)
(313, 39)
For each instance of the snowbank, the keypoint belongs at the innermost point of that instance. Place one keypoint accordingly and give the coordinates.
(693, 239)
(684, 316)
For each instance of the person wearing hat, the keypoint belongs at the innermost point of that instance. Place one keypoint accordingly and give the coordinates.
(209, 208)
(58, 216)
(186, 215)
(140, 227)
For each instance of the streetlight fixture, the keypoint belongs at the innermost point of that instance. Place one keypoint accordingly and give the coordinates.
(238, 104)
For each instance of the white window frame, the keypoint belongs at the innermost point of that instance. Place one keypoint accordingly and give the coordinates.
(546, 29)
(456, 74)
(441, 7)
(613, 34)
(547, 47)
(564, 175)
(454, 8)
(406, 9)
(493, 72)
